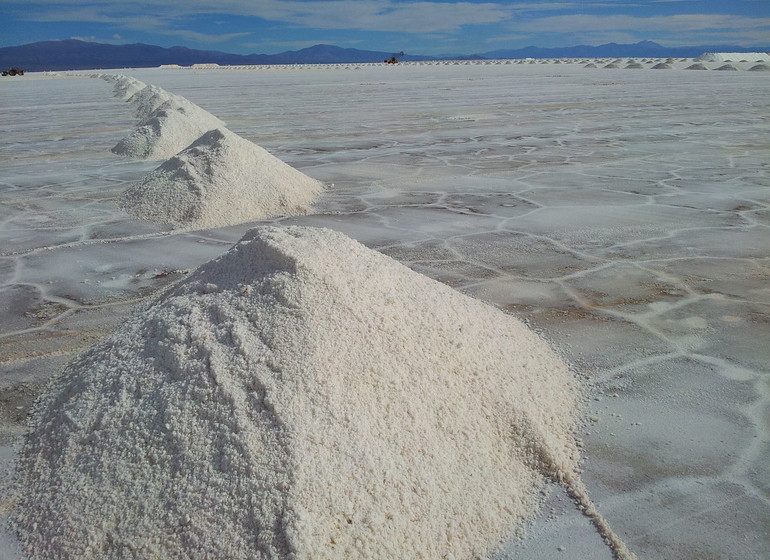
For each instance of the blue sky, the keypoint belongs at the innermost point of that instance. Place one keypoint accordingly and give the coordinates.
(419, 27)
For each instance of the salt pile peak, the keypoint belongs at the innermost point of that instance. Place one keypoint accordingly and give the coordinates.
(174, 125)
(221, 179)
(300, 396)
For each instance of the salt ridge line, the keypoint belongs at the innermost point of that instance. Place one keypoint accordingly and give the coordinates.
(305, 396)
(168, 123)
(219, 179)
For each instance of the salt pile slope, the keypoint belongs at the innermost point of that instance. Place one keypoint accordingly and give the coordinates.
(300, 397)
(221, 179)
(170, 128)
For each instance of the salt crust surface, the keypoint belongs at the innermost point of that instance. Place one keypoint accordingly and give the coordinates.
(301, 397)
(221, 179)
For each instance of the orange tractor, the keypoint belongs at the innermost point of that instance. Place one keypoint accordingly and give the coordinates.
(393, 59)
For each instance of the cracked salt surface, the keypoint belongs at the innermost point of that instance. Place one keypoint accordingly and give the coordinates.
(623, 213)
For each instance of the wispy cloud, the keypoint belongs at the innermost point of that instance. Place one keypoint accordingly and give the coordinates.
(114, 40)
(684, 22)
(418, 24)
(204, 37)
(366, 15)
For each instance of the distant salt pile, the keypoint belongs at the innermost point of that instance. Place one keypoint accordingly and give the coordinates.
(170, 128)
(611, 65)
(221, 179)
(149, 99)
(696, 66)
(760, 68)
(728, 67)
(590, 65)
(126, 86)
(634, 66)
(662, 66)
(300, 397)
(730, 57)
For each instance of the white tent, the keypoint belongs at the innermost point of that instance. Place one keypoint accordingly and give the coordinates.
(735, 57)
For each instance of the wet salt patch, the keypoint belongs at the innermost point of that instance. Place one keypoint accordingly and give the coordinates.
(219, 180)
(301, 395)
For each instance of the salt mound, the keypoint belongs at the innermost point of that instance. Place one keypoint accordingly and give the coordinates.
(170, 128)
(149, 99)
(696, 66)
(760, 68)
(662, 66)
(126, 86)
(728, 67)
(219, 180)
(300, 397)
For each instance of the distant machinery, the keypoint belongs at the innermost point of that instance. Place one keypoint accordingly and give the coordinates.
(393, 59)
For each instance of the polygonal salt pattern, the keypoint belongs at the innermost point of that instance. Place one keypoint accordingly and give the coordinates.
(622, 213)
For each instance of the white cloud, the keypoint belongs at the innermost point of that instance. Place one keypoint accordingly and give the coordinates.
(381, 15)
(508, 38)
(676, 23)
(416, 17)
(366, 15)
(203, 37)
(115, 40)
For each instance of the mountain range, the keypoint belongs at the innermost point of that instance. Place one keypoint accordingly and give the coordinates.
(73, 54)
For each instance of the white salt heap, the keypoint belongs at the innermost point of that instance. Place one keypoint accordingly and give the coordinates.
(220, 180)
(300, 397)
(126, 86)
(168, 129)
(149, 99)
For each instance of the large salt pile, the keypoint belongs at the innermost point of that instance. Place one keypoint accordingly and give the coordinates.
(170, 128)
(221, 179)
(300, 397)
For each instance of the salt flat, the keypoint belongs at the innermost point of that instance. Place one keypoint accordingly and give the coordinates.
(624, 214)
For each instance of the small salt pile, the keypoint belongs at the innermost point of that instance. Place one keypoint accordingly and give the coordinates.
(219, 180)
(300, 397)
(170, 128)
